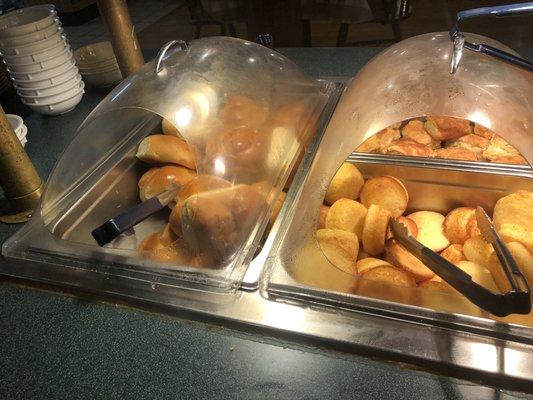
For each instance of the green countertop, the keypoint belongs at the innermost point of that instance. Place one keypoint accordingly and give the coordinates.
(58, 346)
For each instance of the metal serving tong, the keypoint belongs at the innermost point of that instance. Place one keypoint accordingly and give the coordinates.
(126, 220)
(515, 301)
(459, 42)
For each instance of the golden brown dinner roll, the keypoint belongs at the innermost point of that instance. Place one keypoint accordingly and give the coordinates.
(375, 229)
(347, 215)
(516, 233)
(387, 283)
(430, 229)
(165, 149)
(217, 222)
(412, 229)
(447, 128)
(415, 130)
(346, 183)
(453, 253)
(523, 259)
(515, 208)
(169, 129)
(387, 192)
(368, 263)
(408, 147)
(453, 153)
(322, 216)
(479, 274)
(276, 209)
(340, 248)
(157, 180)
(436, 286)
(477, 250)
(237, 153)
(156, 247)
(167, 236)
(380, 142)
(242, 111)
(398, 256)
(389, 274)
(483, 132)
(498, 148)
(460, 224)
(201, 183)
(474, 143)
(362, 254)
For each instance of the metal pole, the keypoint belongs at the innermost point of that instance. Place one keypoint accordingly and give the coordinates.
(123, 36)
(18, 177)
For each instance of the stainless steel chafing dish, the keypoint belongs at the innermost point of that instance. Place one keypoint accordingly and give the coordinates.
(290, 286)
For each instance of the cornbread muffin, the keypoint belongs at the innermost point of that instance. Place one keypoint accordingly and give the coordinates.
(453, 253)
(340, 248)
(375, 229)
(523, 259)
(387, 192)
(347, 215)
(346, 183)
(322, 216)
(461, 224)
(477, 250)
(430, 229)
(368, 263)
(479, 274)
(398, 256)
(412, 229)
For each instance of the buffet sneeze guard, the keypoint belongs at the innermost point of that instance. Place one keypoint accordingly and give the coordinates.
(300, 293)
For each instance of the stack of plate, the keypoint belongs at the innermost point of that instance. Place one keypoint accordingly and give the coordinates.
(4, 80)
(98, 64)
(39, 60)
(18, 126)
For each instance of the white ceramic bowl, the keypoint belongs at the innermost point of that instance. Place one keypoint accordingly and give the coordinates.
(44, 55)
(67, 93)
(42, 65)
(98, 66)
(42, 74)
(57, 108)
(46, 83)
(103, 79)
(49, 90)
(36, 47)
(28, 38)
(27, 20)
(56, 98)
(16, 123)
(95, 52)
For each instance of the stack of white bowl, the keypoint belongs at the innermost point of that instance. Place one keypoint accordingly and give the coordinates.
(98, 64)
(39, 60)
(18, 126)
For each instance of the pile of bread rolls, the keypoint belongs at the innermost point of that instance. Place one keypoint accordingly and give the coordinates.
(354, 234)
(442, 137)
(214, 213)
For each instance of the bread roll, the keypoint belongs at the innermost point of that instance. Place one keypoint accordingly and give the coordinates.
(477, 250)
(523, 259)
(276, 209)
(483, 132)
(461, 224)
(322, 216)
(218, 222)
(414, 130)
(412, 229)
(347, 215)
(479, 274)
(473, 143)
(515, 208)
(387, 192)
(408, 147)
(242, 111)
(165, 149)
(375, 229)
(340, 248)
(435, 286)
(398, 256)
(380, 142)
(498, 148)
(362, 254)
(452, 153)
(237, 153)
(368, 263)
(516, 233)
(447, 128)
(453, 253)
(201, 183)
(430, 229)
(157, 180)
(156, 247)
(387, 283)
(169, 129)
(346, 183)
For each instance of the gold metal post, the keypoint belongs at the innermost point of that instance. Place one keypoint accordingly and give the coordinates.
(123, 36)
(18, 177)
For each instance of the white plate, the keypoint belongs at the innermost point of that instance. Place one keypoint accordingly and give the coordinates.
(57, 108)
(48, 82)
(44, 55)
(27, 20)
(48, 91)
(76, 87)
(38, 46)
(28, 38)
(42, 74)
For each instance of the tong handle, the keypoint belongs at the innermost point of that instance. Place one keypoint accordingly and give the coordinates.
(494, 52)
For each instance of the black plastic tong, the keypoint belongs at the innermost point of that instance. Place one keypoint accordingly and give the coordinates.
(515, 301)
(459, 42)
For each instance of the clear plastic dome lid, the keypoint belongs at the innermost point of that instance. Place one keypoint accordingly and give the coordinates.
(235, 116)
